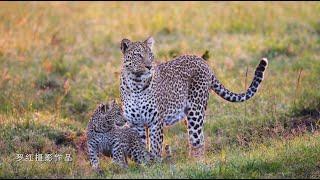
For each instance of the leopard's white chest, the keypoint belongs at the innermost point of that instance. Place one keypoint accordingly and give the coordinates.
(139, 108)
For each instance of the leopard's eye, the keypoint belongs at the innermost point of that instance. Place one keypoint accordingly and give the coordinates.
(140, 55)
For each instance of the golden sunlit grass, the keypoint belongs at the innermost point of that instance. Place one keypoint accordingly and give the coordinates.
(58, 60)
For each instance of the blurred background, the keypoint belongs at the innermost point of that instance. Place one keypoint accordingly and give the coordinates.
(59, 60)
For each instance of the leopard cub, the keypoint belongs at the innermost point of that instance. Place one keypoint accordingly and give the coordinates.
(104, 136)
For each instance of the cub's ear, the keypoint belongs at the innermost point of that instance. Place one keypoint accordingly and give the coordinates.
(113, 102)
(104, 107)
(149, 42)
(125, 43)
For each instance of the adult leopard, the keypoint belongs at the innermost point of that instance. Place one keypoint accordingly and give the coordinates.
(154, 96)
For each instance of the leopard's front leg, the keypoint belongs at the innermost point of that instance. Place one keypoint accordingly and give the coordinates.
(156, 139)
(93, 151)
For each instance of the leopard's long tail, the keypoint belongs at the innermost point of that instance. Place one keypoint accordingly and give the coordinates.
(253, 88)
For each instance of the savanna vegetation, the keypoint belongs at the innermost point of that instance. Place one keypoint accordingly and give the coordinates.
(59, 60)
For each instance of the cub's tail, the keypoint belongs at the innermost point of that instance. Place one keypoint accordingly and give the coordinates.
(234, 97)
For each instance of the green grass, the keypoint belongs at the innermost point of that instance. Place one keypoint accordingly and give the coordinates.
(59, 60)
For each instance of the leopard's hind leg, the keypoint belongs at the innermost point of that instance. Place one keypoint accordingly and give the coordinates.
(119, 156)
(197, 99)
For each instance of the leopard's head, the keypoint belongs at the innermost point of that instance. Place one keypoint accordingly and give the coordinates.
(108, 116)
(115, 115)
(137, 56)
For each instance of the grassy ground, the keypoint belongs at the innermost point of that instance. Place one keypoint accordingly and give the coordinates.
(59, 60)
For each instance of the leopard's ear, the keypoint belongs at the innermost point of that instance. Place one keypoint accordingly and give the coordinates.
(112, 104)
(149, 42)
(104, 107)
(125, 43)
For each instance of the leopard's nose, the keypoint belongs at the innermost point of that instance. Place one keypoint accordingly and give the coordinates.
(149, 67)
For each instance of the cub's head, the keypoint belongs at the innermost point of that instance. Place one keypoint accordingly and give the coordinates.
(137, 56)
(114, 114)
(107, 117)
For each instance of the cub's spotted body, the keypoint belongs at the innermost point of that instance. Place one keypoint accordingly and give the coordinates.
(104, 137)
(154, 96)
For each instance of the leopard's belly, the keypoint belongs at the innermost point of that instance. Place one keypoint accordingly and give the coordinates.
(175, 116)
(141, 110)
